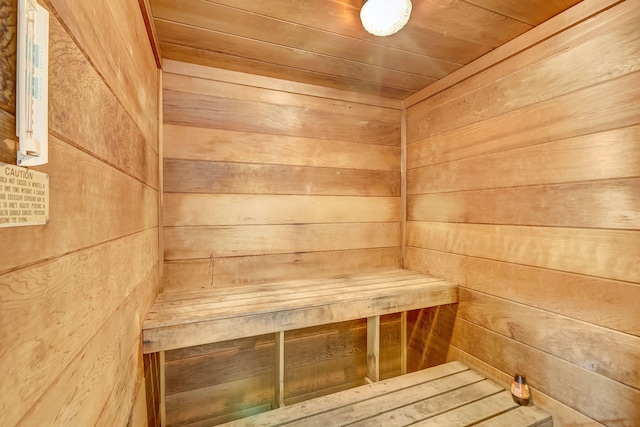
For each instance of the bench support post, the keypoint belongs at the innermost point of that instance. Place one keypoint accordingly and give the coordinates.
(373, 348)
(403, 343)
(279, 369)
(163, 406)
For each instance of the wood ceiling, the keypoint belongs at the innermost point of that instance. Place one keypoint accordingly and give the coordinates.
(322, 42)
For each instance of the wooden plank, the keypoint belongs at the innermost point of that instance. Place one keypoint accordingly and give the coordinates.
(8, 138)
(185, 176)
(117, 204)
(163, 388)
(213, 85)
(222, 403)
(472, 412)
(581, 12)
(562, 414)
(569, 339)
(594, 395)
(301, 42)
(129, 72)
(414, 403)
(533, 12)
(616, 150)
(594, 204)
(183, 108)
(8, 41)
(195, 308)
(238, 271)
(336, 400)
(183, 142)
(541, 71)
(89, 379)
(373, 348)
(279, 346)
(567, 116)
(147, 15)
(235, 209)
(195, 242)
(603, 302)
(223, 329)
(427, 408)
(210, 73)
(520, 417)
(405, 75)
(75, 88)
(403, 343)
(602, 253)
(45, 299)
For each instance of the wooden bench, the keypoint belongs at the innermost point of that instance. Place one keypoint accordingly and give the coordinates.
(443, 396)
(185, 319)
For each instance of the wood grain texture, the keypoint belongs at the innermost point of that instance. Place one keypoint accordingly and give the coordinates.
(194, 242)
(281, 85)
(184, 108)
(182, 209)
(524, 193)
(81, 391)
(75, 87)
(8, 41)
(562, 414)
(45, 297)
(106, 204)
(616, 151)
(237, 271)
(75, 290)
(594, 204)
(191, 143)
(121, 53)
(552, 375)
(574, 341)
(596, 252)
(184, 176)
(8, 139)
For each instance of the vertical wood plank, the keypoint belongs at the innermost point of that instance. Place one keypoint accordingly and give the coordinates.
(403, 180)
(403, 343)
(280, 369)
(163, 387)
(373, 348)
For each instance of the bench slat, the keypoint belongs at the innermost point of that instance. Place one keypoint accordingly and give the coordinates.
(290, 316)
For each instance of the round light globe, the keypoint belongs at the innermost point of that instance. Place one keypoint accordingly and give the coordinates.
(385, 17)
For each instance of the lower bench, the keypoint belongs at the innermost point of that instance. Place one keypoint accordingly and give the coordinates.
(444, 396)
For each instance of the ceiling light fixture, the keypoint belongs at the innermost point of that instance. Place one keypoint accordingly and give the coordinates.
(385, 17)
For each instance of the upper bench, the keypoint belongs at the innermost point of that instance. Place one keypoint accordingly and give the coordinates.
(184, 319)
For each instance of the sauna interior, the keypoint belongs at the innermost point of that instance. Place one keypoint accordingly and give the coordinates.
(200, 145)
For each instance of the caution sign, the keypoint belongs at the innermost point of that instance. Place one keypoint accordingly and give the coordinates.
(24, 196)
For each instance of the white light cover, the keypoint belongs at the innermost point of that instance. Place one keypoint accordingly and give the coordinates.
(385, 17)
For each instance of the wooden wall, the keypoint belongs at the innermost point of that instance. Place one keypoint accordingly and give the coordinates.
(73, 293)
(272, 180)
(523, 186)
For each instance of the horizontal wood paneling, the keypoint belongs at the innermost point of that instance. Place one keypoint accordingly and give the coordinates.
(184, 108)
(522, 187)
(553, 376)
(73, 293)
(266, 183)
(121, 54)
(564, 161)
(192, 143)
(612, 204)
(182, 209)
(189, 176)
(599, 301)
(233, 271)
(597, 252)
(573, 340)
(195, 242)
